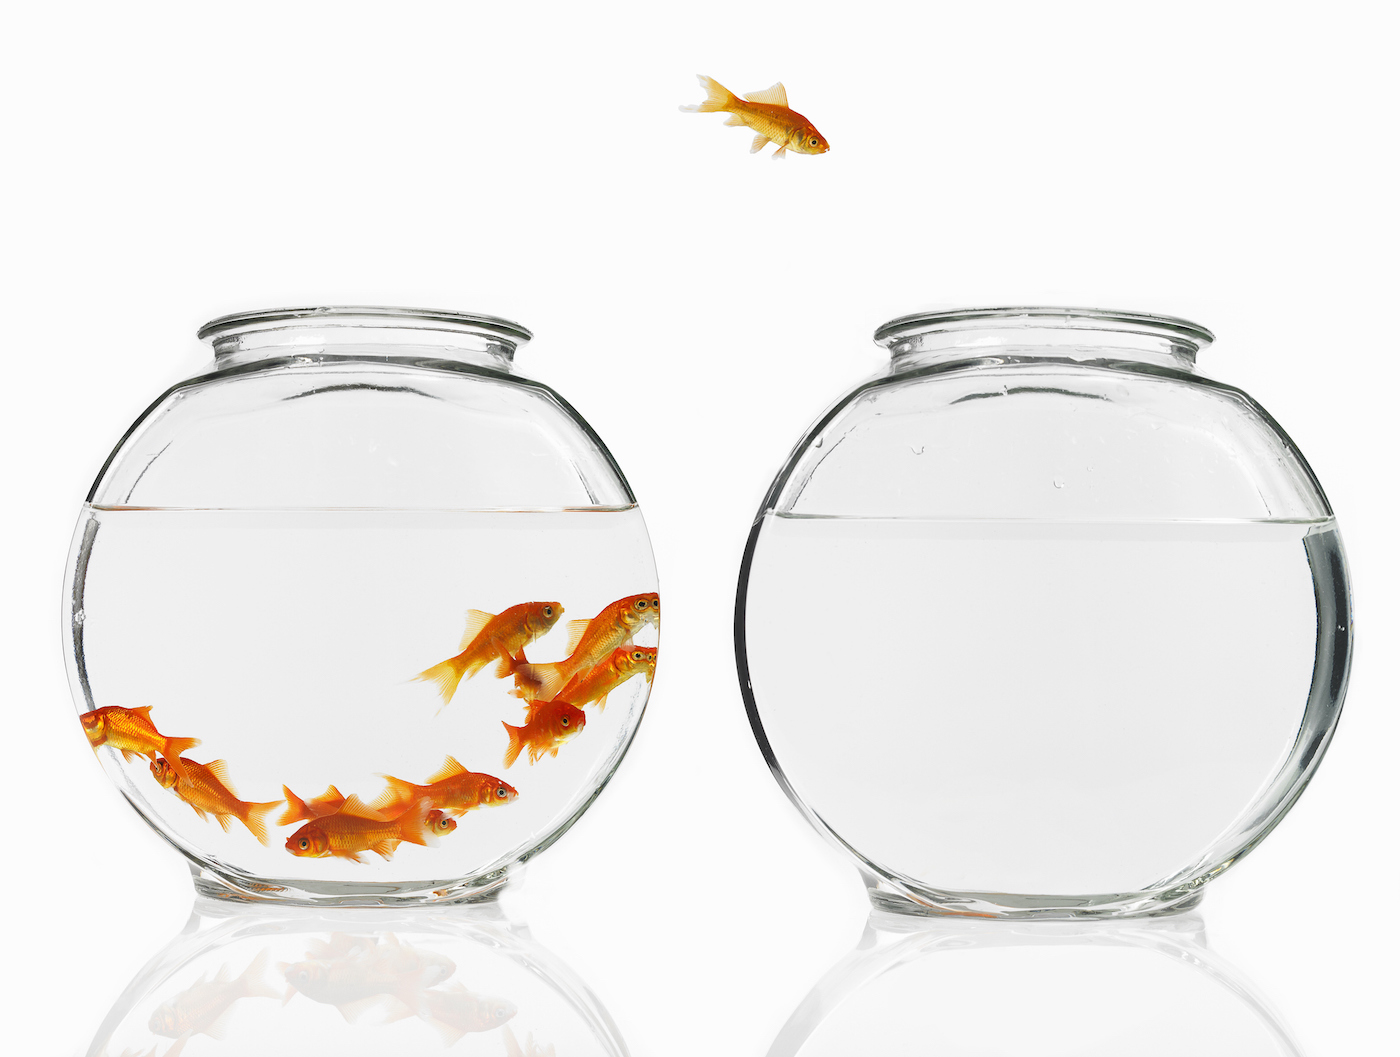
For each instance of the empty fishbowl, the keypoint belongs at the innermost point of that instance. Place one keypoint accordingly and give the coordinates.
(1041, 622)
(358, 614)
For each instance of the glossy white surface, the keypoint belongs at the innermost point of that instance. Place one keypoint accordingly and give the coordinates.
(1227, 163)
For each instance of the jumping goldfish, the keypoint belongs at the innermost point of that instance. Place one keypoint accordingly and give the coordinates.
(591, 642)
(493, 638)
(594, 685)
(357, 828)
(131, 732)
(454, 1011)
(452, 788)
(328, 803)
(355, 974)
(204, 1008)
(765, 112)
(549, 725)
(206, 788)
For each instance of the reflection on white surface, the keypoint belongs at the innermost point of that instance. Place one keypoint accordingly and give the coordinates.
(354, 982)
(966, 988)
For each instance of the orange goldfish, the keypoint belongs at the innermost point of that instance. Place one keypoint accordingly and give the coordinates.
(367, 975)
(131, 732)
(204, 1008)
(493, 637)
(452, 788)
(594, 685)
(206, 788)
(441, 823)
(454, 1011)
(548, 726)
(765, 112)
(591, 642)
(357, 828)
(328, 803)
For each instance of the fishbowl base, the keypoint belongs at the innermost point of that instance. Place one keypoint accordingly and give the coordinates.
(219, 886)
(1005, 905)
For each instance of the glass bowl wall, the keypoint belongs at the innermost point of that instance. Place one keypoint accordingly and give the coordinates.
(1041, 621)
(279, 559)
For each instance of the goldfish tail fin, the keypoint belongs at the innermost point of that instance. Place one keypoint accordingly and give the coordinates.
(413, 825)
(446, 675)
(517, 742)
(296, 808)
(718, 97)
(173, 748)
(544, 681)
(255, 818)
(397, 793)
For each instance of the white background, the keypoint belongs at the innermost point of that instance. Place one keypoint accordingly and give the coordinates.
(168, 163)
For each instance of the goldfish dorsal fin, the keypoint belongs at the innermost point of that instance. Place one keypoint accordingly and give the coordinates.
(219, 769)
(776, 96)
(357, 808)
(144, 710)
(476, 621)
(576, 632)
(449, 769)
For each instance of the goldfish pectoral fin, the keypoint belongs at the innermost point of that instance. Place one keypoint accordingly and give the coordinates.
(736, 119)
(759, 142)
(203, 815)
(780, 152)
(774, 96)
(128, 755)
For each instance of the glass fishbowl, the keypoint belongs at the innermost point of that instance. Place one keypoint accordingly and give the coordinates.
(1042, 622)
(358, 614)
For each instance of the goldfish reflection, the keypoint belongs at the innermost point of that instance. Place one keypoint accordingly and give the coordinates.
(366, 981)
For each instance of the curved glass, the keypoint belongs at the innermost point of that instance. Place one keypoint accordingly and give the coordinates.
(340, 574)
(362, 983)
(1040, 621)
(999, 989)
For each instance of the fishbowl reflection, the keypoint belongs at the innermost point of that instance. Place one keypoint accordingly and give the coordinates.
(255, 979)
(965, 988)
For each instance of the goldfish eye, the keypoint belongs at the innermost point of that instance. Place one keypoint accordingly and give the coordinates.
(641, 603)
(563, 721)
(501, 792)
(549, 611)
(813, 141)
(305, 844)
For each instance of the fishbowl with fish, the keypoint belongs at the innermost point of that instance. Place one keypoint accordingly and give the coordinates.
(361, 982)
(357, 613)
(1041, 621)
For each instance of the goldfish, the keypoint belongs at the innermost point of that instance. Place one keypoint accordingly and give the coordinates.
(531, 1050)
(355, 974)
(591, 642)
(441, 823)
(204, 1008)
(490, 638)
(594, 685)
(549, 725)
(765, 112)
(455, 1011)
(357, 828)
(452, 788)
(328, 803)
(206, 788)
(131, 732)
